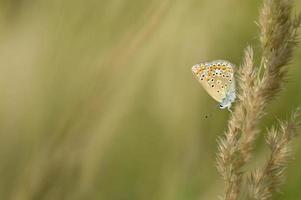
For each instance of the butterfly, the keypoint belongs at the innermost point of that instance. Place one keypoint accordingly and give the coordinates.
(217, 78)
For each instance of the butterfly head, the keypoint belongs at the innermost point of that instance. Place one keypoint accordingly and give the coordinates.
(224, 105)
(221, 106)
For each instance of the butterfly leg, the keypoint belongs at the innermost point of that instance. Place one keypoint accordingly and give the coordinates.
(229, 109)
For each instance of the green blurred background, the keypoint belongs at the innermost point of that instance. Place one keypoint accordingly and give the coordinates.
(98, 100)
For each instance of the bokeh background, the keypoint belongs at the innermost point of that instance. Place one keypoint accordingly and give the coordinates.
(97, 100)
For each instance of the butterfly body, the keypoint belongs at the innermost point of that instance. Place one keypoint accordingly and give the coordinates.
(217, 78)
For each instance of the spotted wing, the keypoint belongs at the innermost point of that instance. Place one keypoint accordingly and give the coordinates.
(216, 77)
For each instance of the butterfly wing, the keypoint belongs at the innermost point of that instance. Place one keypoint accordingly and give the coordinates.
(216, 77)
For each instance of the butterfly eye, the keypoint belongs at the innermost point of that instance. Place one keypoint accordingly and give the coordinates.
(221, 106)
